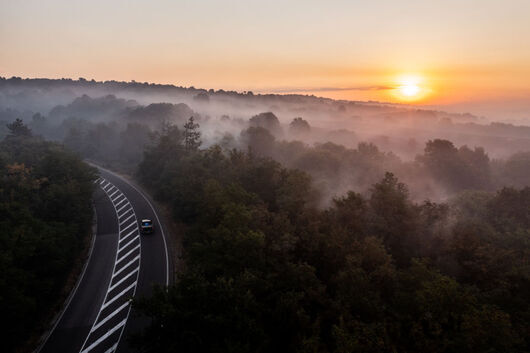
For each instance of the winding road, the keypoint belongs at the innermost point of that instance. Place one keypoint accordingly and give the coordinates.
(122, 264)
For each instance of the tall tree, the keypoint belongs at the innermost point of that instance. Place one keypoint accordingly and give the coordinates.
(192, 135)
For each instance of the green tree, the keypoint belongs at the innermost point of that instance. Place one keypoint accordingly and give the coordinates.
(18, 128)
(192, 135)
(45, 203)
(299, 127)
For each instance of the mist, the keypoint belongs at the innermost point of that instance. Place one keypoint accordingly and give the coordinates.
(343, 145)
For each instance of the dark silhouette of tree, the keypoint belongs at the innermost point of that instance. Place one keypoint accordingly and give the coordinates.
(18, 128)
(299, 127)
(516, 170)
(192, 135)
(202, 97)
(267, 121)
(46, 213)
(269, 272)
(259, 140)
(457, 169)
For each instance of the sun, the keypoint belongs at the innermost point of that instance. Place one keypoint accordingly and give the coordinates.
(410, 88)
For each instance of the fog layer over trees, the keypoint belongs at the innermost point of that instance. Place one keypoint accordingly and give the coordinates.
(343, 145)
(267, 270)
(310, 225)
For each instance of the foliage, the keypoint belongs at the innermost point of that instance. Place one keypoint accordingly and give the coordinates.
(299, 127)
(268, 271)
(457, 169)
(192, 135)
(17, 128)
(267, 121)
(45, 203)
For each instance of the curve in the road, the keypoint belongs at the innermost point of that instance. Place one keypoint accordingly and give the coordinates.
(108, 327)
(146, 198)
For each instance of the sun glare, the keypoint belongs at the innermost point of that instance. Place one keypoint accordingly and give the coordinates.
(409, 88)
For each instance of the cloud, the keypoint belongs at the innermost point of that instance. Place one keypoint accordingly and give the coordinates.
(332, 89)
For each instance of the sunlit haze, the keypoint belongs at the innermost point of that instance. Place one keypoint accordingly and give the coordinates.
(469, 54)
(265, 176)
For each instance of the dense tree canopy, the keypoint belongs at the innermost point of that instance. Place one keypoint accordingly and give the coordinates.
(321, 243)
(269, 271)
(45, 208)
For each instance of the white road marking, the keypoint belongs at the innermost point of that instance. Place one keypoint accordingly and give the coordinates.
(129, 253)
(136, 270)
(159, 224)
(124, 199)
(124, 267)
(129, 243)
(122, 207)
(117, 296)
(124, 212)
(104, 337)
(125, 237)
(121, 231)
(74, 291)
(112, 349)
(122, 280)
(109, 316)
(114, 193)
(125, 220)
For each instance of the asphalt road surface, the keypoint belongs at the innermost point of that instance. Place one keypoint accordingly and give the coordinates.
(123, 264)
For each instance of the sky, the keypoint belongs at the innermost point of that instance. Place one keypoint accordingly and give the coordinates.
(458, 54)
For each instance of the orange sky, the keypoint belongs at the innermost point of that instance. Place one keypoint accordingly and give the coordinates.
(463, 51)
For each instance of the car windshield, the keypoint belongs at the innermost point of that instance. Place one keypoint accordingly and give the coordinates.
(146, 224)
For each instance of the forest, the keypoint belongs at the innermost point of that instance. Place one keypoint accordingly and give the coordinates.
(46, 217)
(309, 225)
(268, 270)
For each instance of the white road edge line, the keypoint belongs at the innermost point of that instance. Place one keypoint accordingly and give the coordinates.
(74, 291)
(163, 238)
(156, 215)
(137, 271)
